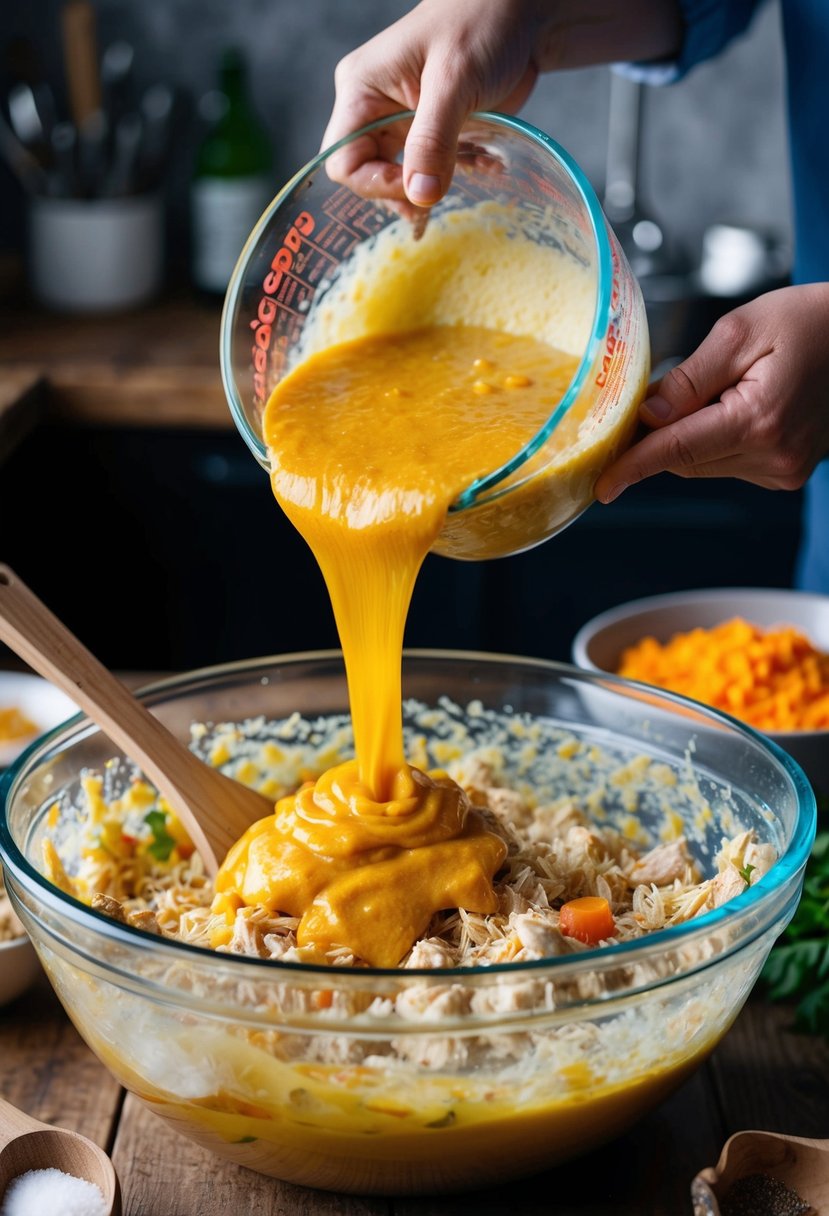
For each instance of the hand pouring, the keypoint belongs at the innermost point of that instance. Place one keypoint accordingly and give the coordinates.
(214, 809)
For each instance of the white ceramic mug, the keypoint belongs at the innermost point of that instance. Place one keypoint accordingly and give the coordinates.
(100, 255)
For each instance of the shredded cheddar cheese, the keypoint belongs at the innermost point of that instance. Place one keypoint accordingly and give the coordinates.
(15, 725)
(773, 679)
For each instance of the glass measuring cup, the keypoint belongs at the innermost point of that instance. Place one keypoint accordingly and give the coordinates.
(519, 243)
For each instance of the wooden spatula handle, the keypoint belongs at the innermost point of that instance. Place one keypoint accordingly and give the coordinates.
(80, 56)
(44, 642)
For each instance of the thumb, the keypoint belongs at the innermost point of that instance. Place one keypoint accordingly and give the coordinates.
(432, 142)
(715, 366)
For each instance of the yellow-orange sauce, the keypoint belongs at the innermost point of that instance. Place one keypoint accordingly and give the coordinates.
(357, 1128)
(370, 442)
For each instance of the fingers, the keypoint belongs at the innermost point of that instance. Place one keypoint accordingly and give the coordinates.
(707, 443)
(368, 166)
(749, 403)
(695, 432)
(432, 142)
(442, 61)
(721, 360)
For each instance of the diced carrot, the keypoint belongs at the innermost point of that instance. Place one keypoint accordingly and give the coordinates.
(588, 919)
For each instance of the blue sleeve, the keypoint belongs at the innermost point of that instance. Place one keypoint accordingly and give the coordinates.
(709, 26)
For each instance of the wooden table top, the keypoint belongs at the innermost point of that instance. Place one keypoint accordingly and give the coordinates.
(154, 367)
(763, 1075)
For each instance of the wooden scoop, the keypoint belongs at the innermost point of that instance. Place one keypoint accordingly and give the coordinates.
(27, 1144)
(800, 1164)
(214, 809)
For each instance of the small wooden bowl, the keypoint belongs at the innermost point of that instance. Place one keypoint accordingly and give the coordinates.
(800, 1164)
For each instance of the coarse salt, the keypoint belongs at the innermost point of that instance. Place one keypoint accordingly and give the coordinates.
(53, 1191)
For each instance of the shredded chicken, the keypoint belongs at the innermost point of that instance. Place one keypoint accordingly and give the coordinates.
(555, 854)
(664, 864)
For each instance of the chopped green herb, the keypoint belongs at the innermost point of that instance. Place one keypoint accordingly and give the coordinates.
(446, 1121)
(245, 1140)
(745, 873)
(797, 969)
(162, 843)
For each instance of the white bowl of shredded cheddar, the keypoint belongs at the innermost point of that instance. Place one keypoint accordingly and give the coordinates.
(643, 875)
(760, 654)
(29, 705)
(18, 962)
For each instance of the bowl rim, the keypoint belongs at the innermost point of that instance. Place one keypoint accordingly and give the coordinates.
(630, 609)
(787, 866)
(489, 486)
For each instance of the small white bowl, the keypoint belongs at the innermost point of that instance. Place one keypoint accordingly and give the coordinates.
(19, 968)
(599, 643)
(42, 703)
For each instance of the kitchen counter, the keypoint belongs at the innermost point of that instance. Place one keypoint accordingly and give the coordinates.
(763, 1075)
(158, 366)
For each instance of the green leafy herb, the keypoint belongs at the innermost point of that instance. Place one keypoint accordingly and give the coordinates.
(162, 843)
(745, 873)
(797, 969)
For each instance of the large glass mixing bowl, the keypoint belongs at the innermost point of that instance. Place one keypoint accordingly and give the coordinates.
(519, 243)
(404, 1081)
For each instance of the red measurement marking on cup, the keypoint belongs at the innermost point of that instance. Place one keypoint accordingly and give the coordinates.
(615, 286)
(278, 311)
(357, 216)
(299, 267)
(541, 188)
(612, 346)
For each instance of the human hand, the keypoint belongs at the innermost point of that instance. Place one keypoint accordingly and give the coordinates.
(442, 60)
(752, 401)
(446, 58)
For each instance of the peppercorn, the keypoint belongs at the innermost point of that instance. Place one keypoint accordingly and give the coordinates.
(762, 1195)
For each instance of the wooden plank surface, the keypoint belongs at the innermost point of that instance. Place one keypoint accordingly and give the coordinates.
(158, 366)
(22, 406)
(165, 1174)
(48, 1071)
(191, 398)
(771, 1077)
(762, 1075)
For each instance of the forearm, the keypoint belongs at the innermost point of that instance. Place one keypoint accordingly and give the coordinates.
(580, 33)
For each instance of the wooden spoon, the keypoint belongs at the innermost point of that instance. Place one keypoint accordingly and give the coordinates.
(28, 1144)
(800, 1164)
(214, 809)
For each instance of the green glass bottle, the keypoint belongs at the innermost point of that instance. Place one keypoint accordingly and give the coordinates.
(232, 180)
